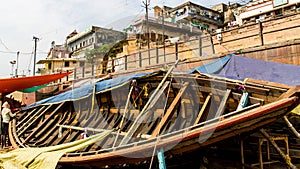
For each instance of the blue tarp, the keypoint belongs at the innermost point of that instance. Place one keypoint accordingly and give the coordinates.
(87, 90)
(240, 68)
(212, 67)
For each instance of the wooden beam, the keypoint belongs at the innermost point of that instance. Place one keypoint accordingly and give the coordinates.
(44, 123)
(223, 103)
(155, 96)
(25, 116)
(32, 120)
(286, 157)
(170, 111)
(202, 109)
(124, 115)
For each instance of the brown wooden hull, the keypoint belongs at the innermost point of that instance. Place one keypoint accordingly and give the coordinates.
(197, 113)
(179, 144)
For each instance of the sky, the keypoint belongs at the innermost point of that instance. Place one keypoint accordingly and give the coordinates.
(53, 20)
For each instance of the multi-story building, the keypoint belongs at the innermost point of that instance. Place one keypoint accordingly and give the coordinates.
(259, 10)
(228, 12)
(71, 55)
(195, 16)
(59, 60)
(181, 22)
(162, 34)
(92, 38)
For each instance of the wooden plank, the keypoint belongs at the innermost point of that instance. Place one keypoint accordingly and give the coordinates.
(44, 123)
(31, 121)
(202, 109)
(223, 103)
(170, 111)
(290, 92)
(45, 138)
(155, 96)
(25, 118)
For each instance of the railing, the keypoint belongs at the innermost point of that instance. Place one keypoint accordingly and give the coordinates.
(86, 71)
(163, 54)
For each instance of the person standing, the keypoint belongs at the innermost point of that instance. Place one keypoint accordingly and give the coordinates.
(6, 116)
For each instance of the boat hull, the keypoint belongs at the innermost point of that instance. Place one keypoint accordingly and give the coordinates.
(13, 84)
(187, 140)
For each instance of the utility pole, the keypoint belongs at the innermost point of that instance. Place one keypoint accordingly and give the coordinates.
(146, 4)
(34, 58)
(163, 34)
(17, 63)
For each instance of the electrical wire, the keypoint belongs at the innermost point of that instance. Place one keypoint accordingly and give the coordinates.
(4, 45)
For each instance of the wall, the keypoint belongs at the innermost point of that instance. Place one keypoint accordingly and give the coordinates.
(280, 30)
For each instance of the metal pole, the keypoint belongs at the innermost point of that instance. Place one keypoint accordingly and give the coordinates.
(163, 35)
(34, 58)
(147, 3)
(17, 63)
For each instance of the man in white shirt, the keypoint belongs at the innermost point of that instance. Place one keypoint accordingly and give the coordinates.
(6, 116)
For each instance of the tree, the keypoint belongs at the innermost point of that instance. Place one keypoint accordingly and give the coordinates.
(90, 55)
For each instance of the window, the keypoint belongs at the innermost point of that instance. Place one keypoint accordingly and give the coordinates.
(67, 64)
(49, 65)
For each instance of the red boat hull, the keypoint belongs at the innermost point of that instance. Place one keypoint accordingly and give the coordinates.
(13, 84)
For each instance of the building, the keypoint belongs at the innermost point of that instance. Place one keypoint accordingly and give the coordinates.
(165, 33)
(229, 13)
(195, 16)
(92, 38)
(59, 60)
(259, 10)
(180, 23)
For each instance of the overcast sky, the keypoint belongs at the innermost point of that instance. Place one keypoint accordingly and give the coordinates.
(54, 20)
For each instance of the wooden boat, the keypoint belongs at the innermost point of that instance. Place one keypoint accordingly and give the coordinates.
(151, 111)
(12, 84)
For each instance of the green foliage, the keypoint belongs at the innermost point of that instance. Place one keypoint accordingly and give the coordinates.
(128, 29)
(90, 55)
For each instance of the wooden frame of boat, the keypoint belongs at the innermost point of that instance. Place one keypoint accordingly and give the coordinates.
(179, 113)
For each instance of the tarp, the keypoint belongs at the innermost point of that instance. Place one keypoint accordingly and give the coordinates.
(33, 89)
(45, 157)
(240, 68)
(87, 90)
(213, 66)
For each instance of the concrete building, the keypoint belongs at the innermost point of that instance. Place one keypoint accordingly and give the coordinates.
(259, 10)
(195, 16)
(92, 38)
(59, 60)
(71, 55)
